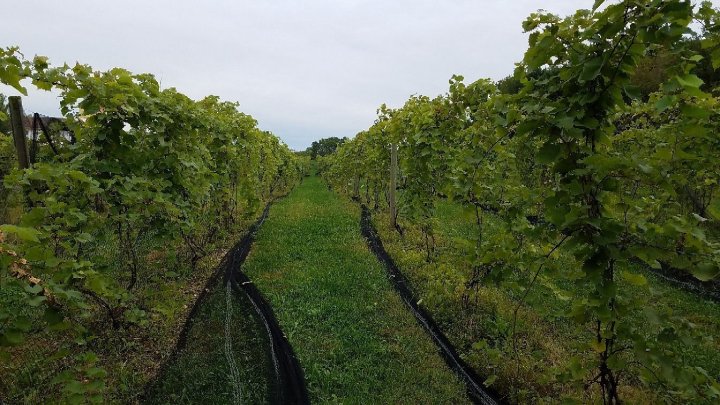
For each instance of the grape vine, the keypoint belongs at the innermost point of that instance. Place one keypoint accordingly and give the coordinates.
(576, 166)
(147, 163)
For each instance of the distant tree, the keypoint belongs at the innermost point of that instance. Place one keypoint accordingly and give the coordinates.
(652, 70)
(325, 146)
(509, 85)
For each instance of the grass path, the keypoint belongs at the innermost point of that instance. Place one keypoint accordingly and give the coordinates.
(353, 336)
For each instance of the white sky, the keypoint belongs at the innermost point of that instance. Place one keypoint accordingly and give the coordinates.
(304, 69)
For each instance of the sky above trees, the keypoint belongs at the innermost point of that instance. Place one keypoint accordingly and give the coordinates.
(305, 70)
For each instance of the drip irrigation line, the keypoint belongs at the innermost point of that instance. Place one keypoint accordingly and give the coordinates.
(475, 389)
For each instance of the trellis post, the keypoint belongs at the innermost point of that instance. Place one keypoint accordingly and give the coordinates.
(16, 123)
(393, 185)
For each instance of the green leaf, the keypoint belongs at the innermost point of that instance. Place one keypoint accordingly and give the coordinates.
(33, 218)
(96, 372)
(549, 153)
(597, 4)
(705, 271)
(33, 289)
(25, 234)
(598, 347)
(36, 301)
(23, 324)
(635, 279)
(11, 75)
(84, 238)
(592, 68)
(42, 85)
(52, 316)
(695, 112)
(715, 57)
(488, 381)
(690, 81)
(632, 92)
(664, 103)
(714, 209)
(12, 337)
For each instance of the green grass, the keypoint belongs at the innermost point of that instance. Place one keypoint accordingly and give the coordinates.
(355, 340)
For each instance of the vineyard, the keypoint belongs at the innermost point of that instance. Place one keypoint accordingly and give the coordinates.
(537, 223)
(102, 236)
(553, 237)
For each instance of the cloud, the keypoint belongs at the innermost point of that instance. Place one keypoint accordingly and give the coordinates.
(304, 70)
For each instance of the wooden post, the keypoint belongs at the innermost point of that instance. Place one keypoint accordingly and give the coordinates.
(16, 123)
(356, 187)
(393, 185)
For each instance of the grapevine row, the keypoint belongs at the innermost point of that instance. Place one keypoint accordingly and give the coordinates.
(576, 166)
(145, 164)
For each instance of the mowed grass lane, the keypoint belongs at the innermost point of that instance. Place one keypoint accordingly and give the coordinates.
(354, 338)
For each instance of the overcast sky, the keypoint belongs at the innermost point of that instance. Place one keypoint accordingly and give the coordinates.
(304, 69)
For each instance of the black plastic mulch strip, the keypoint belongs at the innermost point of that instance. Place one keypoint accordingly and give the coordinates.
(289, 374)
(475, 389)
